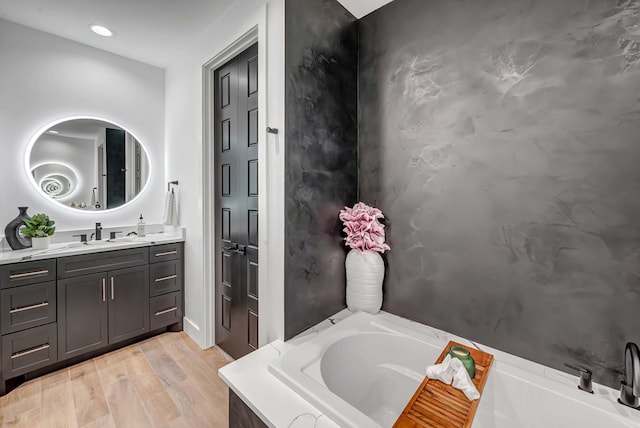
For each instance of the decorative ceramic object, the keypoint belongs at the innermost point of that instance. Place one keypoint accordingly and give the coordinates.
(40, 243)
(12, 232)
(465, 357)
(365, 272)
(365, 267)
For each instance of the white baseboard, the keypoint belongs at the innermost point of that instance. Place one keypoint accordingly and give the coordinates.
(193, 331)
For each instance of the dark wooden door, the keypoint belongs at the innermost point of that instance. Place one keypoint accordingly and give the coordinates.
(128, 303)
(236, 195)
(116, 167)
(82, 314)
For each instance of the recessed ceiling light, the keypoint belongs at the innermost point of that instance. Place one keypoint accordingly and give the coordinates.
(53, 132)
(99, 29)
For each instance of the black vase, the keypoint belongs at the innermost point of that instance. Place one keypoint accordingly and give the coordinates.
(12, 232)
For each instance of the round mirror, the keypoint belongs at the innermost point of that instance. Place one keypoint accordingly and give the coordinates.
(88, 164)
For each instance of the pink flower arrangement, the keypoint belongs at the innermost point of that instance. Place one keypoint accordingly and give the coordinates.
(364, 231)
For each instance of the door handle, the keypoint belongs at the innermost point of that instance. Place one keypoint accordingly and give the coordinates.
(241, 250)
(104, 289)
(113, 296)
(232, 247)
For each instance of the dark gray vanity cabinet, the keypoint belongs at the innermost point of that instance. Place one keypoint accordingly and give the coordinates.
(56, 312)
(102, 308)
(166, 284)
(27, 317)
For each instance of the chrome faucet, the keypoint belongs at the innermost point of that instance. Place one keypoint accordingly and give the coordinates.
(630, 386)
(586, 384)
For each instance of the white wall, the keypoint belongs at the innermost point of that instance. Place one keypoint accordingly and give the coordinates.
(184, 139)
(45, 78)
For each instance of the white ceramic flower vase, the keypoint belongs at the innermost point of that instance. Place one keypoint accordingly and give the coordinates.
(40, 243)
(365, 273)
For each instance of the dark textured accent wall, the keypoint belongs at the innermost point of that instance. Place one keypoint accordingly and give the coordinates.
(321, 55)
(502, 140)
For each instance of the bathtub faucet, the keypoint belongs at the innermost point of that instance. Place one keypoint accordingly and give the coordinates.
(630, 386)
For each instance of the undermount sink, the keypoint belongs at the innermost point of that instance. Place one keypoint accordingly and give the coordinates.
(90, 243)
(101, 242)
(123, 239)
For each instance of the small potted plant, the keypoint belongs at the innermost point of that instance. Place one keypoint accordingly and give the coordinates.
(39, 228)
(364, 265)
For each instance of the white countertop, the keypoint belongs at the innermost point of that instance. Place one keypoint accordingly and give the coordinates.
(275, 403)
(75, 248)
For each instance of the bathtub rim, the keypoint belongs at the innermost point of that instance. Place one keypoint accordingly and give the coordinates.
(290, 367)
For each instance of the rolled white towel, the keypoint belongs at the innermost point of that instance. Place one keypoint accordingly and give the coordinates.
(169, 212)
(452, 370)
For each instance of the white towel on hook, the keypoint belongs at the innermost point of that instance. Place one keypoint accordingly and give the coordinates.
(170, 209)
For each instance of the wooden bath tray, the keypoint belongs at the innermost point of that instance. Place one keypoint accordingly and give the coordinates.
(436, 405)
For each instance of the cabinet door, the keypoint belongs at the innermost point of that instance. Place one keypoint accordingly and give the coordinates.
(82, 315)
(128, 303)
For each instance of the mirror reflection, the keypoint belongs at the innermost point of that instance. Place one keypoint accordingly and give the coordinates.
(89, 164)
(56, 180)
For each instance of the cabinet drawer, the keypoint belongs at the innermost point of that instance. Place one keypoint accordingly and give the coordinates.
(28, 350)
(27, 306)
(165, 277)
(165, 310)
(162, 253)
(69, 267)
(25, 273)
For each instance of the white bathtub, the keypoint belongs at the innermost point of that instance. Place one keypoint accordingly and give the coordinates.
(362, 372)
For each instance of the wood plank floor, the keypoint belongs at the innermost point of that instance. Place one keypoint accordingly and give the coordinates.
(165, 381)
